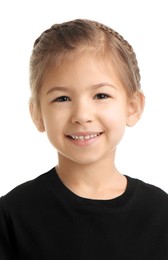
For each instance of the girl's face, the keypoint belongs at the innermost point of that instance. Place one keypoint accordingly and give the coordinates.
(84, 110)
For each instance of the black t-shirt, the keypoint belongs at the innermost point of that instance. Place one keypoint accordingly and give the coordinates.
(44, 220)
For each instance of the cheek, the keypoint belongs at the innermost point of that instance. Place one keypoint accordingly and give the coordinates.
(114, 121)
(52, 122)
(114, 117)
(54, 130)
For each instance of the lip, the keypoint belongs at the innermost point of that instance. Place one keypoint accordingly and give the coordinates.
(83, 133)
(84, 142)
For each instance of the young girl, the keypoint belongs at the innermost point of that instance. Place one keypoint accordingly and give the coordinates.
(85, 86)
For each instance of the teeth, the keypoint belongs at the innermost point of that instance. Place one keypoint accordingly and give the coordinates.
(83, 137)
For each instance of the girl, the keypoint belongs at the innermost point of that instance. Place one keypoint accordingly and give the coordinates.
(85, 86)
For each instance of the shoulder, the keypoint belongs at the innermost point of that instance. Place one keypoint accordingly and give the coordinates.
(152, 190)
(29, 192)
(151, 197)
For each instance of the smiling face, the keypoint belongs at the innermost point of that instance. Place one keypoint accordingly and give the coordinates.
(84, 110)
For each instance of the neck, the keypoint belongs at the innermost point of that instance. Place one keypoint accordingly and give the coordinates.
(90, 179)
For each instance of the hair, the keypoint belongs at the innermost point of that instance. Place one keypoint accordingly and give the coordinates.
(66, 40)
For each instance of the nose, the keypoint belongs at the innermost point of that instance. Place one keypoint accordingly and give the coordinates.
(82, 114)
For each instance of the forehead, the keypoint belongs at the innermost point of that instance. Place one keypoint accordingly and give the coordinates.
(85, 68)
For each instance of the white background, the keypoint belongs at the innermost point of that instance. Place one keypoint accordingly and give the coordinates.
(25, 153)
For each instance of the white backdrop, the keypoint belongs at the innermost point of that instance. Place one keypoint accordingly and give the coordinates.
(25, 153)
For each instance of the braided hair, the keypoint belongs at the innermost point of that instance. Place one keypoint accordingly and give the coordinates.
(64, 41)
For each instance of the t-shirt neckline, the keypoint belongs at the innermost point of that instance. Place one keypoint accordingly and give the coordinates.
(71, 197)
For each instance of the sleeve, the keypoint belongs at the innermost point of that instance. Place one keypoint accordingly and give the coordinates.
(6, 245)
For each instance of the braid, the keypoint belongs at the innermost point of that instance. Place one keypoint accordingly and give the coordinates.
(128, 48)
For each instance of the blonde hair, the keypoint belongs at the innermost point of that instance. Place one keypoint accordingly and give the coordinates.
(64, 41)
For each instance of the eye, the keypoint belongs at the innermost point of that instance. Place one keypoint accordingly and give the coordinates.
(61, 99)
(101, 96)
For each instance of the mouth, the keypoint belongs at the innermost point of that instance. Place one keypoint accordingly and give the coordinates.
(84, 137)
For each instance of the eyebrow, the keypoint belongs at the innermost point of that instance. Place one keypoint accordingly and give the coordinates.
(57, 88)
(95, 86)
(104, 84)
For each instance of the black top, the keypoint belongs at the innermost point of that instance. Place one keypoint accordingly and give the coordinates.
(44, 220)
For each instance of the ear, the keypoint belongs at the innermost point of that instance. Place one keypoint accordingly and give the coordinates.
(36, 115)
(135, 108)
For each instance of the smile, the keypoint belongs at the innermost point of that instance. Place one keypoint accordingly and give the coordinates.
(83, 137)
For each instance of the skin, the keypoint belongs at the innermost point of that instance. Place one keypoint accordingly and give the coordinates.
(81, 98)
